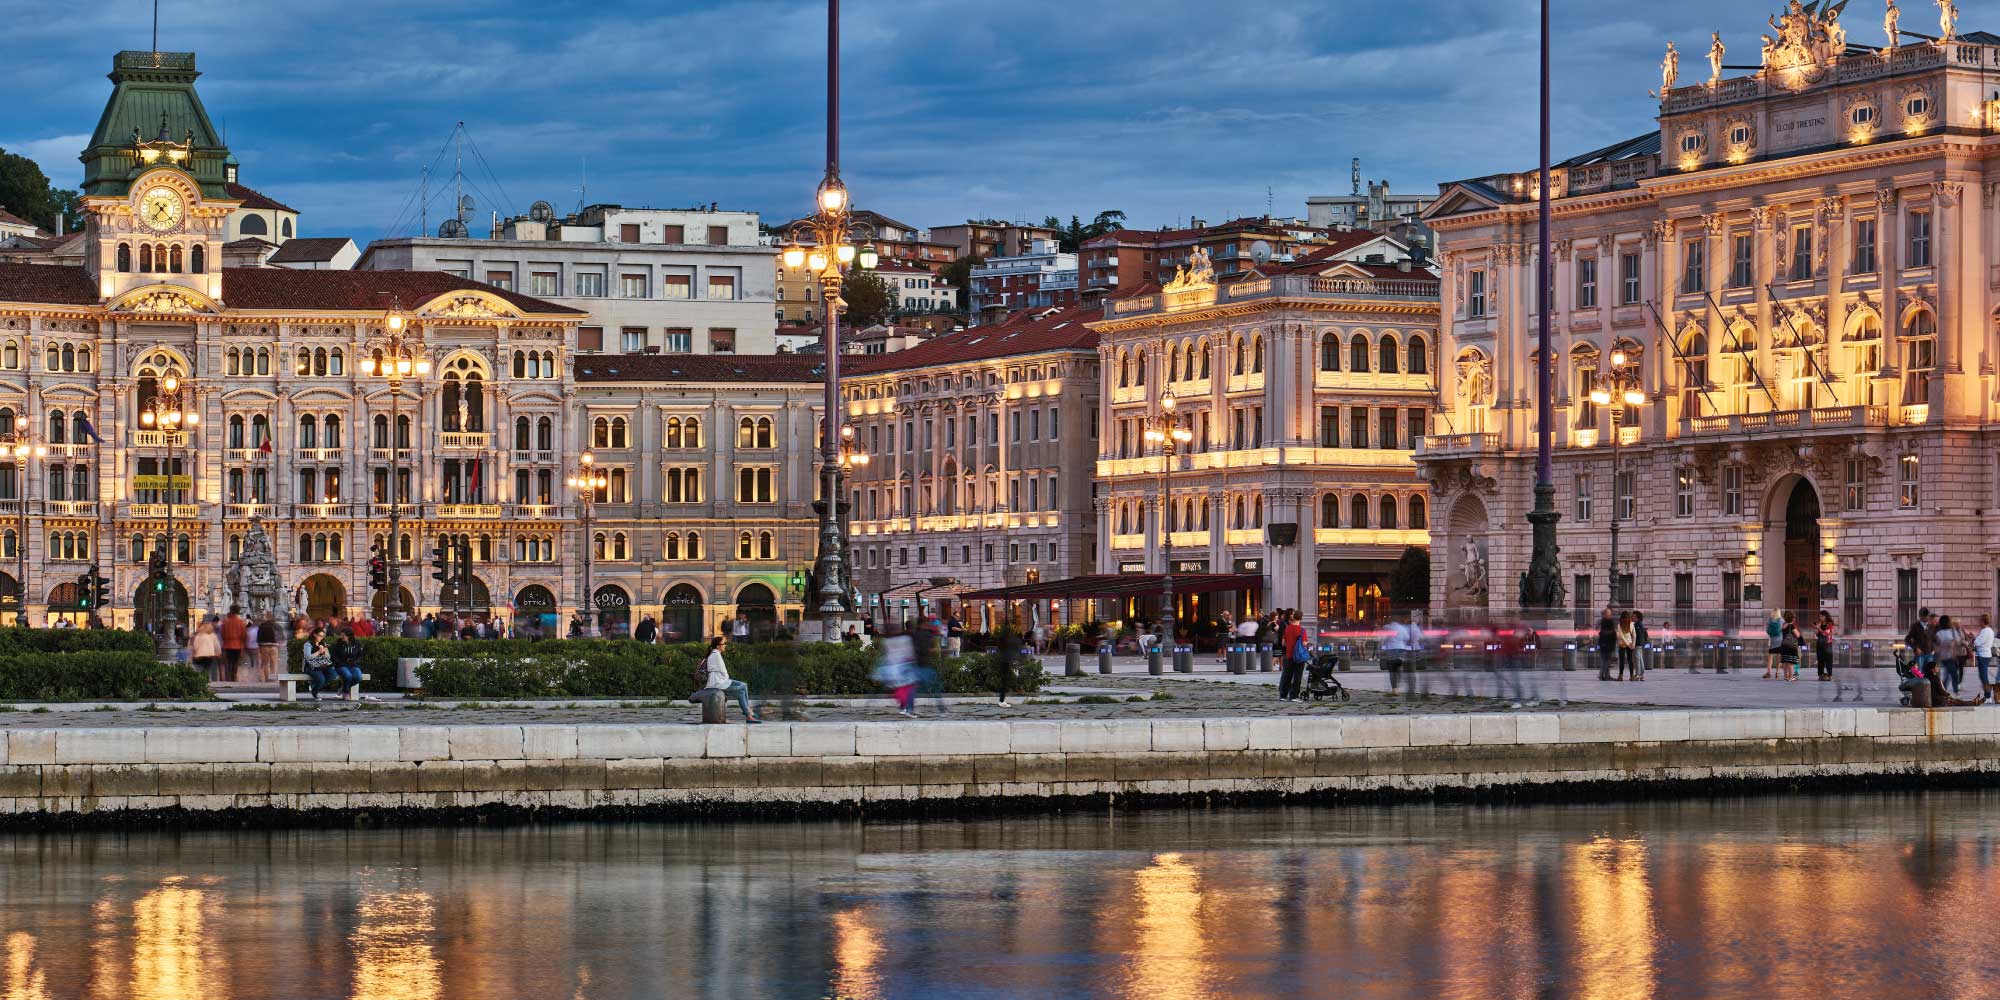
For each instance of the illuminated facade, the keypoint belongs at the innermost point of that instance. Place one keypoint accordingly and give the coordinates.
(1794, 270)
(1305, 386)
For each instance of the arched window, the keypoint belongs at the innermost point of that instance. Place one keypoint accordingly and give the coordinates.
(673, 546)
(260, 430)
(619, 542)
(330, 436)
(1203, 347)
(694, 546)
(336, 362)
(1138, 367)
(146, 258)
(1420, 356)
(1419, 514)
(254, 225)
(68, 358)
(522, 437)
(10, 356)
(1236, 357)
(308, 431)
(232, 362)
(520, 364)
(58, 427)
(305, 548)
(766, 548)
(285, 227)
(80, 483)
(618, 434)
(235, 439)
(1329, 511)
(198, 259)
(1388, 512)
(1357, 512)
(600, 432)
(746, 433)
(673, 436)
(1173, 361)
(1919, 355)
(124, 257)
(174, 259)
(53, 361)
(1257, 353)
(79, 427)
(381, 436)
(545, 434)
(1124, 369)
(263, 361)
(83, 359)
(1386, 360)
(1357, 354)
(744, 545)
(1329, 353)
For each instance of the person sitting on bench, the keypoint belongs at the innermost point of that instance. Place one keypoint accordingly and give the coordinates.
(318, 661)
(718, 679)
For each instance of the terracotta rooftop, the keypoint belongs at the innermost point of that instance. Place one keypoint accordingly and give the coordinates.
(318, 249)
(10, 219)
(252, 198)
(282, 288)
(68, 286)
(700, 368)
(1029, 331)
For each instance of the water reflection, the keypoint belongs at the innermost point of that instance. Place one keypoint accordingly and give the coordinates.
(1778, 898)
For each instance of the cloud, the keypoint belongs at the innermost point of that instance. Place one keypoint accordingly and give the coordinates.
(55, 155)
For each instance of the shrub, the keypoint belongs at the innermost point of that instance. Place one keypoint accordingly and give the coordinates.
(15, 641)
(97, 675)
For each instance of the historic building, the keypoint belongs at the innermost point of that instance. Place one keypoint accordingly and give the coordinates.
(707, 505)
(1791, 280)
(1303, 387)
(979, 445)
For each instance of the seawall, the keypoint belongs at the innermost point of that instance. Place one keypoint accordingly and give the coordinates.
(137, 776)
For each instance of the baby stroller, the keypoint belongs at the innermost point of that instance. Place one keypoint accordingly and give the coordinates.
(1320, 682)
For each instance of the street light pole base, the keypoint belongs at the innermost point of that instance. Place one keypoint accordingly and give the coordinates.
(825, 630)
(1541, 586)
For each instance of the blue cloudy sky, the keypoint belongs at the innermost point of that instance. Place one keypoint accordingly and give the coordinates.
(953, 108)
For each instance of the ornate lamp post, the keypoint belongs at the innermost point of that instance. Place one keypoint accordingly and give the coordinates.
(1165, 431)
(174, 413)
(1619, 389)
(395, 354)
(826, 245)
(1541, 585)
(586, 482)
(20, 444)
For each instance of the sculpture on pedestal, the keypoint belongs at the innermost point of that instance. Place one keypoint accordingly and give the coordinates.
(253, 581)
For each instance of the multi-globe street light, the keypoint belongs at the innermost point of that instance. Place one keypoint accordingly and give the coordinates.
(587, 481)
(1619, 389)
(1165, 432)
(173, 412)
(395, 354)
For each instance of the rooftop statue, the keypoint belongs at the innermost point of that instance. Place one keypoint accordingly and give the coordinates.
(1714, 57)
(1670, 68)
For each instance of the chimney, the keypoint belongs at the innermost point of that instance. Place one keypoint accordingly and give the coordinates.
(1403, 265)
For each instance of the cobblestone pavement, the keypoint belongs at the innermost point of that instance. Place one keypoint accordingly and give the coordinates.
(1107, 698)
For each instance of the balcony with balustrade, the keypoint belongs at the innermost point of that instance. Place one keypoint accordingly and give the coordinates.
(465, 440)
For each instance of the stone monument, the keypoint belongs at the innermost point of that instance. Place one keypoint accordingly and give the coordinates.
(253, 581)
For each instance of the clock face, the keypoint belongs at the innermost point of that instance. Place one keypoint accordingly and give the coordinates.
(160, 209)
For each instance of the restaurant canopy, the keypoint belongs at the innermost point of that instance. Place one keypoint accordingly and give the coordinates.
(1117, 585)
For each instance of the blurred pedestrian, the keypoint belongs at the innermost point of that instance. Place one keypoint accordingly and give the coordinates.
(206, 650)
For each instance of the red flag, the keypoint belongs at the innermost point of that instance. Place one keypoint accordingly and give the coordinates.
(473, 492)
(265, 447)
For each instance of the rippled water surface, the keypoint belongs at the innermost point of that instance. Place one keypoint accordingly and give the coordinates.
(1773, 897)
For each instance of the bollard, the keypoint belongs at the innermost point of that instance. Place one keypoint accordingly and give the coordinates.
(1667, 656)
(1104, 658)
(1153, 660)
(710, 700)
(1264, 665)
(1867, 654)
(1072, 659)
(1183, 659)
(1735, 656)
(1569, 656)
(1238, 655)
(1346, 658)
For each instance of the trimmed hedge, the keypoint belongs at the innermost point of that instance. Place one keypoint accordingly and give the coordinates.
(620, 668)
(16, 641)
(98, 675)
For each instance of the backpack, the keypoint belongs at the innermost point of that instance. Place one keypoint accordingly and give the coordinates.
(1300, 652)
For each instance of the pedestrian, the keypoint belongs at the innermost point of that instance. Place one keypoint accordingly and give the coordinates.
(233, 641)
(717, 678)
(648, 630)
(1950, 665)
(1627, 642)
(206, 650)
(1774, 633)
(1823, 647)
(1395, 652)
(1641, 643)
(897, 670)
(1982, 654)
(1003, 662)
(740, 630)
(318, 663)
(248, 667)
(1922, 644)
(1607, 643)
(268, 647)
(1789, 643)
(1292, 649)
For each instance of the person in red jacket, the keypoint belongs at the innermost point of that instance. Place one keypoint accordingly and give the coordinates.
(1293, 669)
(235, 638)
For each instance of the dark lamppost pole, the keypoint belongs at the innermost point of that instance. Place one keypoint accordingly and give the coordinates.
(1540, 586)
(1169, 435)
(172, 413)
(825, 244)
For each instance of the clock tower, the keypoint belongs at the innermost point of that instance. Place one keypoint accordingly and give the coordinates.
(155, 184)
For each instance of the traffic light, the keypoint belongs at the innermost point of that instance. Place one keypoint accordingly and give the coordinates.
(465, 565)
(440, 562)
(378, 574)
(100, 589)
(85, 589)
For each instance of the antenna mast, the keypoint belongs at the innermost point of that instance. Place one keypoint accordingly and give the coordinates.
(458, 172)
(424, 202)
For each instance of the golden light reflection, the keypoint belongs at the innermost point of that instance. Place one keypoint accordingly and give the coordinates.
(1614, 920)
(1170, 957)
(23, 980)
(857, 949)
(393, 955)
(172, 957)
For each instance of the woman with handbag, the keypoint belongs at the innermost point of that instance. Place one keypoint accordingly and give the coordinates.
(1823, 646)
(1788, 647)
(1628, 643)
(1951, 665)
(206, 650)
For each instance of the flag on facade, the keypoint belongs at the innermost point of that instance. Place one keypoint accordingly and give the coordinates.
(473, 492)
(89, 430)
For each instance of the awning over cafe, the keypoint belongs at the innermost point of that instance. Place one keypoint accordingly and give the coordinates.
(1118, 585)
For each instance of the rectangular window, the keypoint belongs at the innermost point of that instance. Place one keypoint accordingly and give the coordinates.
(1732, 490)
(628, 232)
(1583, 496)
(1014, 426)
(1055, 424)
(722, 286)
(632, 339)
(1628, 278)
(679, 340)
(1580, 600)
(1802, 253)
(1385, 426)
(1683, 597)
(590, 283)
(1851, 592)
(1732, 601)
(1419, 422)
(590, 338)
(1864, 247)
(1920, 240)
(1034, 425)
(1742, 264)
(721, 341)
(1694, 264)
(1627, 505)
(1854, 493)
(545, 283)
(1906, 599)
(1621, 590)
(1909, 493)
(1684, 493)
(1357, 427)
(1586, 282)
(673, 234)
(1475, 293)
(718, 236)
(501, 279)
(632, 286)
(676, 286)
(1329, 426)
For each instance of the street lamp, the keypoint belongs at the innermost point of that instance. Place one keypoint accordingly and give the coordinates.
(1541, 585)
(826, 245)
(1165, 432)
(1618, 388)
(395, 354)
(586, 482)
(20, 444)
(172, 411)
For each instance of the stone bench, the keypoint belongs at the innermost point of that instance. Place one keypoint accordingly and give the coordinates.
(288, 687)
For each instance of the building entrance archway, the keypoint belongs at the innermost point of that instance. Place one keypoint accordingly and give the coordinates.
(682, 612)
(757, 603)
(1802, 550)
(325, 597)
(614, 611)
(151, 602)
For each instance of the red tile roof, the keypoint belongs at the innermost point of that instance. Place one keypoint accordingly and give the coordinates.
(9, 218)
(1027, 332)
(283, 288)
(303, 250)
(252, 198)
(700, 368)
(45, 283)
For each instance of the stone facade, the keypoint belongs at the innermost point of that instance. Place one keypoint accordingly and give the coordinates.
(979, 446)
(1795, 266)
(1304, 387)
